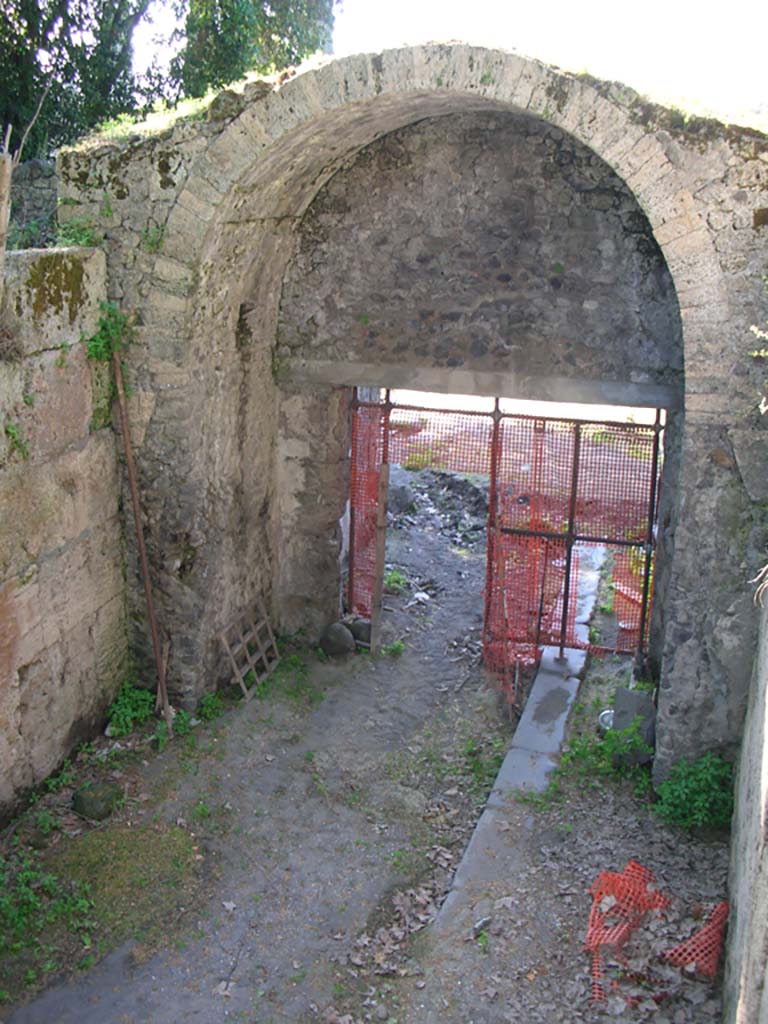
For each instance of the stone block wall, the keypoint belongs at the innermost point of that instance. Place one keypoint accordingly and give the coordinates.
(201, 226)
(63, 645)
(492, 243)
(33, 204)
(746, 981)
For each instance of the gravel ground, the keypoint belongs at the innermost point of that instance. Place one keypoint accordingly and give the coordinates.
(328, 819)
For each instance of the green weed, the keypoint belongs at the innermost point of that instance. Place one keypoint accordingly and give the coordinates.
(113, 333)
(593, 757)
(152, 238)
(131, 708)
(697, 794)
(16, 443)
(33, 900)
(44, 821)
(394, 649)
(395, 581)
(61, 779)
(78, 231)
(201, 811)
(483, 765)
(211, 707)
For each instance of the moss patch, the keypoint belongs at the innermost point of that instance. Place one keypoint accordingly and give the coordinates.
(118, 883)
(140, 879)
(56, 284)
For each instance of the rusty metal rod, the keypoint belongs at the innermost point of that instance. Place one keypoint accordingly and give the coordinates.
(578, 538)
(162, 692)
(649, 545)
(492, 527)
(352, 482)
(570, 536)
(638, 428)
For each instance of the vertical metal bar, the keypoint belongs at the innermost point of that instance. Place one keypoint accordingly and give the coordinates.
(569, 535)
(543, 591)
(649, 532)
(353, 473)
(492, 525)
(378, 572)
(385, 427)
(381, 531)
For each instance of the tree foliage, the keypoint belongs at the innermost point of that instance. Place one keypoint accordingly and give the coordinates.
(227, 38)
(84, 49)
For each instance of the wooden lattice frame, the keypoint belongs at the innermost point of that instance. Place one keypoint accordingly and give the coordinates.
(251, 647)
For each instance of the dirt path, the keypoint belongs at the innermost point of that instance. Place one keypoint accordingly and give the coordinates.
(353, 780)
(323, 823)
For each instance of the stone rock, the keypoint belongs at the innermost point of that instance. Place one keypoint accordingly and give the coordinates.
(400, 495)
(337, 639)
(361, 630)
(629, 705)
(97, 800)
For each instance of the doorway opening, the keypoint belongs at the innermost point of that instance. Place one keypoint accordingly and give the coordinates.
(572, 503)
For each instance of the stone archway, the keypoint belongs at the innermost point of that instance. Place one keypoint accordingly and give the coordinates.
(210, 305)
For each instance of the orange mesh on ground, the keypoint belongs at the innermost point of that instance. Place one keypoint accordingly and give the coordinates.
(629, 898)
(619, 903)
(704, 947)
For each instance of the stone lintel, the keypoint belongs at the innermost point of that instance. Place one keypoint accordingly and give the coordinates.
(469, 382)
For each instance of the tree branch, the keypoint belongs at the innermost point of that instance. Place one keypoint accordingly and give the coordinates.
(30, 126)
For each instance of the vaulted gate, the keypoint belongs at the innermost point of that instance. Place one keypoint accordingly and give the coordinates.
(559, 490)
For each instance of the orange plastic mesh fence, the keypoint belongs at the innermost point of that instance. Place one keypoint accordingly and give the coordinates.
(553, 483)
(620, 901)
(426, 438)
(704, 947)
(368, 432)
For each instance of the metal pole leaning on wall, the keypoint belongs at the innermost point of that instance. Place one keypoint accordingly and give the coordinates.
(160, 658)
(649, 533)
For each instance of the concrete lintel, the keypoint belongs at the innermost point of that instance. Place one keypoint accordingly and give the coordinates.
(472, 382)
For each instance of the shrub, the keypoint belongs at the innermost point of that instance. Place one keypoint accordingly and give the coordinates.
(131, 708)
(698, 793)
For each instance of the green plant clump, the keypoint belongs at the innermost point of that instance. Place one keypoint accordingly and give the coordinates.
(590, 758)
(211, 707)
(78, 231)
(152, 238)
(395, 581)
(31, 900)
(395, 649)
(131, 708)
(698, 794)
(113, 332)
(16, 442)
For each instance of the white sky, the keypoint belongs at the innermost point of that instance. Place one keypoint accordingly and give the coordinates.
(712, 54)
(706, 56)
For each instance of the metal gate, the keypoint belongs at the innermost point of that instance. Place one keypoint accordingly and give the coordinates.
(557, 487)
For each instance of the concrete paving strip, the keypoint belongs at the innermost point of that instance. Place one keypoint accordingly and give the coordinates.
(494, 854)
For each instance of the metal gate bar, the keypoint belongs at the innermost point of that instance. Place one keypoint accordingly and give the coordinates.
(554, 484)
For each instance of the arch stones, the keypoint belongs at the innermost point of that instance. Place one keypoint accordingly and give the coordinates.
(243, 470)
